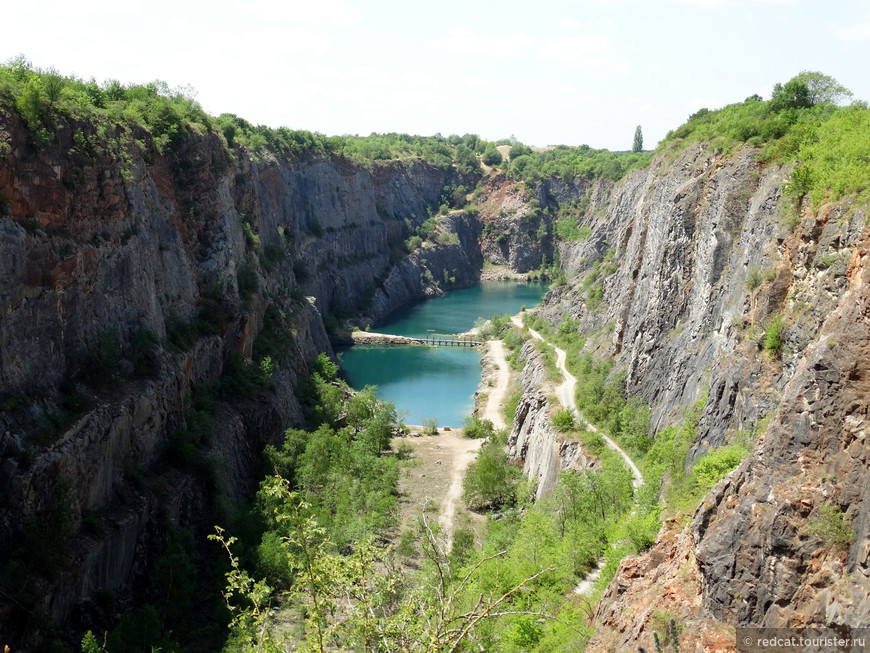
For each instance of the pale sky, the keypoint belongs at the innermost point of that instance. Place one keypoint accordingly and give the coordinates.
(546, 71)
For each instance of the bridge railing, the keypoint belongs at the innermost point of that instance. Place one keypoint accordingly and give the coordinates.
(452, 340)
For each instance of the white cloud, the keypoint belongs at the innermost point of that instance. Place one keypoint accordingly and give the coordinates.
(464, 41)
(855, 32)
(574, 47)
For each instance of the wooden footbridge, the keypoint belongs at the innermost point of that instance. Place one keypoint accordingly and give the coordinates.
(441, 340)
(431, 340)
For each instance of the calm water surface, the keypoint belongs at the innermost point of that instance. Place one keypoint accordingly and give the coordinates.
(424, 382)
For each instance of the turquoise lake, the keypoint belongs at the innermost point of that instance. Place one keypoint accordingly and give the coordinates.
(440, 382)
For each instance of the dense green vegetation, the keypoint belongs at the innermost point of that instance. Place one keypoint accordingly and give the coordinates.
(800, 123)
(46, 99)
(570, 163)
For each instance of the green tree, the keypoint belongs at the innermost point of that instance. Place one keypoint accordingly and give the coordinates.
(823, 88)
(52, 84)
(491, 155)
(361, 406)
(794, 95)
(638, 140)
(90, 643)
(490, 479)
(517, 150)
(29, 103)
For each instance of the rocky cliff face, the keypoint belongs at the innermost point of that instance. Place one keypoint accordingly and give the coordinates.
(134, 286)
(517, 232)
(755, 530)
(754, 555)
(694, 258)
(693, 262)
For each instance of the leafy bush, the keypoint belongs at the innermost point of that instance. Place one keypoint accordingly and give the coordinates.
(490, 480)
(563, 420)
(566, 228)
(828, 524)
(773, 335)
(477, 428)
(413, 243)
(430, 425)
(685, 492)
(242, 380)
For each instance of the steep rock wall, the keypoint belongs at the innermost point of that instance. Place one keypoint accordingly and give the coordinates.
(110, 240)
(753, 529)
(705, 252)
(678, 249)
(750, 556)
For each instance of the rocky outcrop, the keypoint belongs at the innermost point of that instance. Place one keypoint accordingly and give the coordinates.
(454, 263)
(544, 452)
(648, 592)
(517, 231)
(771, 568)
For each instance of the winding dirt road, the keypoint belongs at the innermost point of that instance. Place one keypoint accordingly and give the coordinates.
(566, 391)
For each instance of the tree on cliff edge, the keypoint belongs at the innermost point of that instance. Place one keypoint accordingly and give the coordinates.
(638, 140)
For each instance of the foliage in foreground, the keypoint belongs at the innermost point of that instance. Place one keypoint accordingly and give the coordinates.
(358, 601)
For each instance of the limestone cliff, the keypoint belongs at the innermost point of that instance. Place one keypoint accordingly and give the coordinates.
(687, 265)
(138, 287)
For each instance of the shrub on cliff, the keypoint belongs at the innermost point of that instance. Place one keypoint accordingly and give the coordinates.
(828, 525)
(773, 335)
(563, 420)
(491, 156)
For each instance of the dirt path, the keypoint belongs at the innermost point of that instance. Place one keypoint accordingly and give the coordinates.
(443, 459)
(497, 396)
(461, 451)
(566, 392)
(464, 451)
